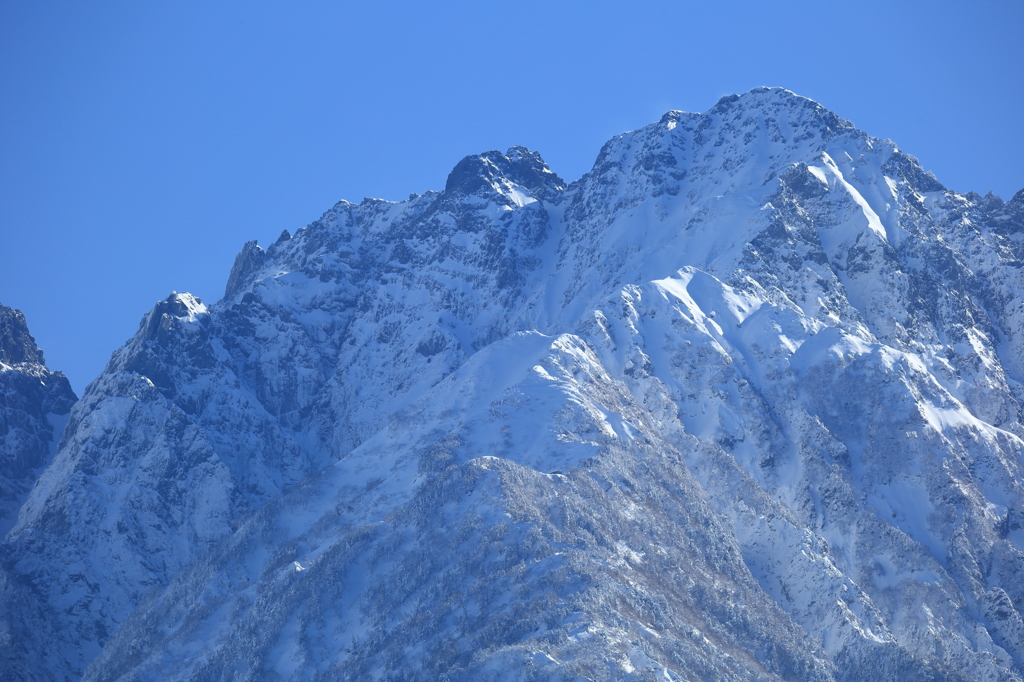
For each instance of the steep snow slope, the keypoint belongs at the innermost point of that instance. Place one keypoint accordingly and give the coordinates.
(520, 519)
(778, 369)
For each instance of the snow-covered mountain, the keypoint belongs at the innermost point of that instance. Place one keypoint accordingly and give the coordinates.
(34, 403)
(743, 402)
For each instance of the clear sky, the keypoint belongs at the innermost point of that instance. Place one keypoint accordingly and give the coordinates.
(141, 143)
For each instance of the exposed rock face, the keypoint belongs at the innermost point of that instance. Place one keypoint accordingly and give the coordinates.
(34, 403)
(744, 402)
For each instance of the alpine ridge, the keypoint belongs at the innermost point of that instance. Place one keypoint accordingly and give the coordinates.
(741, 403)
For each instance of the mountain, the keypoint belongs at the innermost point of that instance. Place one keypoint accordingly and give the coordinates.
(743, 402)
(34, 404)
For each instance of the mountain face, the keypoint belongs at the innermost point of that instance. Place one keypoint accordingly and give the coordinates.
(34, 404)
(742, 403)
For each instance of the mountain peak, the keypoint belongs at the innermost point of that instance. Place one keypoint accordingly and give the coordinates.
(16, 343)
(774, 101)
(34, 403)
(248, 261)
(519, 166)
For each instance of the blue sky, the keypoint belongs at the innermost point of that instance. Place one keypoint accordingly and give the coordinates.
(142, 143)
